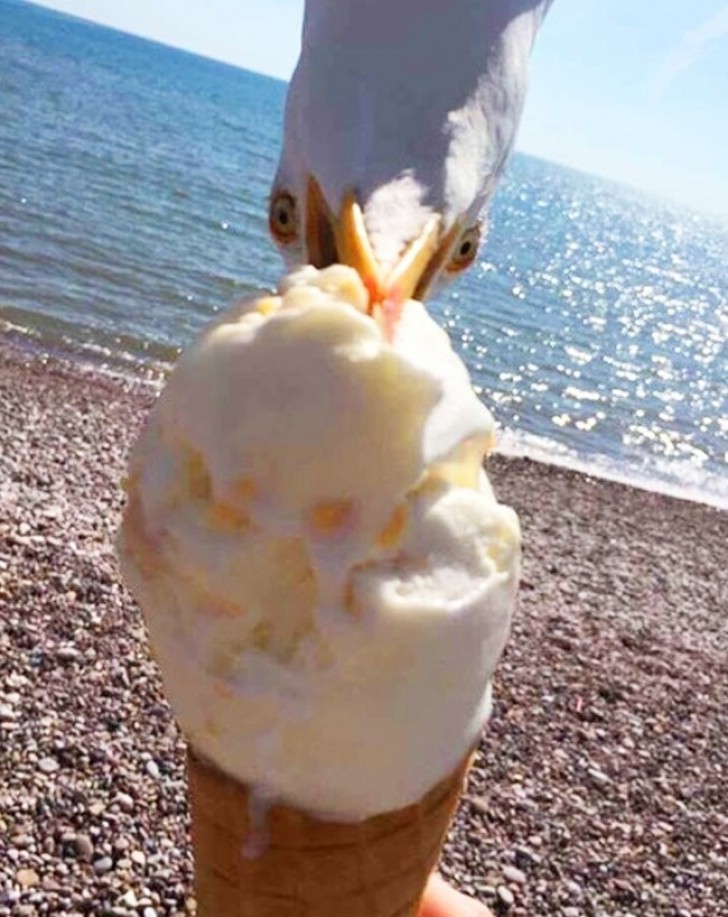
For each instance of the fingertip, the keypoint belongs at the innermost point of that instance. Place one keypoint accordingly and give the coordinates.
(441, 900)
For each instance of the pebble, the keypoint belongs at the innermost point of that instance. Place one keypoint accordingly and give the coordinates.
(129, 899)
(27, 878)
(68, 654)
(48, 765)
(480, 805)
(125, 801)
(84, 847)
(515, 875)
(505, 896)
(103, 865)
(22, 840)
(525, 857)
(573, 889)
(635, 560)
(598, 776)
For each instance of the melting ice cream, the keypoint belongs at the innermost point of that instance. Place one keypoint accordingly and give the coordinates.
(326, 576)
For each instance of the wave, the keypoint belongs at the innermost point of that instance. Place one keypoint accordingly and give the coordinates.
(683, 480)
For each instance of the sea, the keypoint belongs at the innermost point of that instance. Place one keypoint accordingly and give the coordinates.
(133, 188)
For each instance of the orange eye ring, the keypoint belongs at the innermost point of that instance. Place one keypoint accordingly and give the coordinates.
(283, 217)
(465, 251)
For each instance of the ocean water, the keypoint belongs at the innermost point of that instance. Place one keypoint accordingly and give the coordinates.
(133, 183)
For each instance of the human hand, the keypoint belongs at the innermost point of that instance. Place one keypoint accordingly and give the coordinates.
(440, 900)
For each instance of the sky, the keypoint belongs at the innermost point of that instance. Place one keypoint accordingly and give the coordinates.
(633, 90)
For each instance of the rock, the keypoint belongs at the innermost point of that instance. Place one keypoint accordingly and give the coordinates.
(48, 765)
(152, 768)
(125, 801)
(515, 875)
(23, 841)
(67, 654)
(599, 777)
(573, 889)
(479, 804)
(505, 896)
(84, 847)
(525, 857)
(27, 878)
(129, 899)
(103, 865)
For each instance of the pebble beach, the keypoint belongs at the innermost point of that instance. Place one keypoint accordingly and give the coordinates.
(601, 784)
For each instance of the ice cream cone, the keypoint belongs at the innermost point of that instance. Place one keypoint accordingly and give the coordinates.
(281, 862)
(328, 581)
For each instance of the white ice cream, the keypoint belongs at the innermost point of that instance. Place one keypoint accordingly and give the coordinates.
(327, 578)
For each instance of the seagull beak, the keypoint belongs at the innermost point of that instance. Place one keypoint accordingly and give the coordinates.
(345, 240)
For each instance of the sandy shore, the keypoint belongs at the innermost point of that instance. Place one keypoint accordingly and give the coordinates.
(601, 787)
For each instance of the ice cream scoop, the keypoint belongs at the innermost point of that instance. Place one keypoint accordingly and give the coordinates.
(326, 576)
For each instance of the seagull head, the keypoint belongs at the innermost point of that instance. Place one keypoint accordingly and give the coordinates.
(399, 119)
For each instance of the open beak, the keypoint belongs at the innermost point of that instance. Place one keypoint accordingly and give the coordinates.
(343, 239)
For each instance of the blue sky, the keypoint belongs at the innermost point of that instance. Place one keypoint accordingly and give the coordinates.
(635, 90)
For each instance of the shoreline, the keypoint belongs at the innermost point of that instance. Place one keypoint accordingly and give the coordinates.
(510, 446)
(599, 787)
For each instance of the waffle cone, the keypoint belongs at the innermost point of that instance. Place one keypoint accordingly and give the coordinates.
(291, 864)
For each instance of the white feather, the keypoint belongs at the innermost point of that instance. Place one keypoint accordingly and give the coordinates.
(412, 103)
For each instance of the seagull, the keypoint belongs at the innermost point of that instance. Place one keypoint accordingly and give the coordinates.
(399, 120)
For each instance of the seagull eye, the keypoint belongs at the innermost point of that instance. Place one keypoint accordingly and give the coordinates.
(282, 218)
(465, 251)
